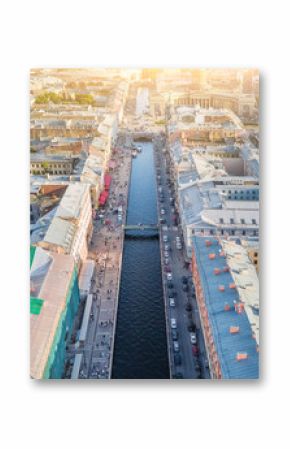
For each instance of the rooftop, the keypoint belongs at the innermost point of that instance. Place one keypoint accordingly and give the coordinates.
(228, 344)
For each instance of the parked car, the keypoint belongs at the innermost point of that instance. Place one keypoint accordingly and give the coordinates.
(167, 269)
(188, 307)
(193, 338)
(177, 376)
(174, 334)
(175, 346)
(162, 211)
(166, 261)
(166, 247)
(184, 279)
(185, 287)
(166, 254)
(173, 323)
(169, 276)
(195, 350)
(169, 284)
(177, 359)
(165, 238)
(172, 302)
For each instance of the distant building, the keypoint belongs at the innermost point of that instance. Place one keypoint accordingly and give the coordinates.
(227, 293)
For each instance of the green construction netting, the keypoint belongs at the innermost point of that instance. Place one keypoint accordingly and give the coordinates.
(55, 363)
(32, 253)
(35, 305)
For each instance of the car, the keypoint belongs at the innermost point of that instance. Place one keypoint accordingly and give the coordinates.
(166, 261)
(169, 276)
(185, 287)
(197, 367)
(191, 326)
(173, 323)
(174, 334)
(177, 238)
(178, 376)
(175, 346)
(167, 269)
(172, 302)
(162, 199)
(162, 220)
(193, 338)
(178, 246)
(166, 247)
(165, 238)
(162, 211)
(166, 254)
(184, 279)
(188, 307)
(195, 350)
(177, 359)
(169, 284)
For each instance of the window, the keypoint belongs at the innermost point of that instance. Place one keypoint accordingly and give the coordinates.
(254, 221)
(233, 232)
(232, 221)
(242, 220)
(221, 220)
(255, 254)
(244, 232)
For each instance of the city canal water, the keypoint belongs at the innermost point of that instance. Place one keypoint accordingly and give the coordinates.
(140, 344)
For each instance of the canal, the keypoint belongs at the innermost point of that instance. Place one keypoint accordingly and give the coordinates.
(140, 350)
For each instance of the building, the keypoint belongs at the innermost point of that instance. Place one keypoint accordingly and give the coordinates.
(42, 164)
(227, 293)
(54, 300)
(225, 206)
(195, 126)
(71, 227)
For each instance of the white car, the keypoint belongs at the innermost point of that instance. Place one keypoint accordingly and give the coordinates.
(166, 254)
(193, 339)
(171, 302)
(166, 261)
(176, 346)
(162, 212)
(169, 276)
(173, 323)
(165, 238)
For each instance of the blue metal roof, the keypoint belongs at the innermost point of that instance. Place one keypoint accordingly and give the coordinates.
(227, 344)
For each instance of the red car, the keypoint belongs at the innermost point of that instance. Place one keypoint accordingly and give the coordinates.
(167, 269)
(194, 350)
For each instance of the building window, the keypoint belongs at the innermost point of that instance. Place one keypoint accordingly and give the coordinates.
(244, 232)
(242, 220)
(232, 221)
(221, 220)
(254, 221)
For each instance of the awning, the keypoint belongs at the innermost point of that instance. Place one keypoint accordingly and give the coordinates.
(108, 180)
(103, 197)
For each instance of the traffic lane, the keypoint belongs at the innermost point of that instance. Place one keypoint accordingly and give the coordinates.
(179, 312)
(202, 357)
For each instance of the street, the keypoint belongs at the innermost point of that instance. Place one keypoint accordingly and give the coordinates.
(191, 366)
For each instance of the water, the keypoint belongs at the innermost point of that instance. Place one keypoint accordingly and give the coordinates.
(140, 343)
